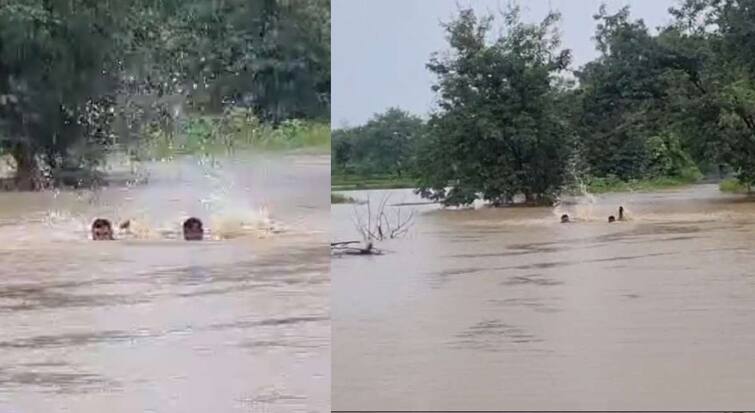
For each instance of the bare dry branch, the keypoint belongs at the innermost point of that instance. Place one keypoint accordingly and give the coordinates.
(382, 224)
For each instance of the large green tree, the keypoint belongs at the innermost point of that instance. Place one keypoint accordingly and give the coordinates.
(623, 93)
(498, 131)
(78, 75)
(58, 72)
(271, 55)
(716, 35)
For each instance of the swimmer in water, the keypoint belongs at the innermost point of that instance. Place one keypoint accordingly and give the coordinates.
(621, 213)
(193, 230)
(564, 219)
(611, 219)
(102, 230)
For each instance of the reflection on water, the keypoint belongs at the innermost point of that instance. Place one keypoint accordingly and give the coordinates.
(153, 323)
(480, 309)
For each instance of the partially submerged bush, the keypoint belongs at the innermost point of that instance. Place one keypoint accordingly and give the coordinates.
(667, 158)
(733, 185)
(336, 198)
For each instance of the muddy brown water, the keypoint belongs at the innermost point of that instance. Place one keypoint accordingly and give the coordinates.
(494, 309)
(236, 323)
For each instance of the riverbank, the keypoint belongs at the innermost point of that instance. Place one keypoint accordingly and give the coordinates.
(355, 182)
(213, 135)
(606, 185)
(197, 135)
(733, 186)
(595, 185)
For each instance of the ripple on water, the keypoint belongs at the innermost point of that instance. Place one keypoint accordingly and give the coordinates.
(55, 381)
(531, 279)
(493, 335)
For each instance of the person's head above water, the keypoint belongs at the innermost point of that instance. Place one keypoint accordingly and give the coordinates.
(193, 230)
(611, 219)
(102, 230)
(564, 218)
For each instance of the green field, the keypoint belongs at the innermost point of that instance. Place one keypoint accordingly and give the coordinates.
(604, 185)
(237, 130)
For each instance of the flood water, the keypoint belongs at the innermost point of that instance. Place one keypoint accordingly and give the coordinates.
(149, 322)
(509, 309)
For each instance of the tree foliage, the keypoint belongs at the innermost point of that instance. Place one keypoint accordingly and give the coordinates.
(383, 146)
(77, 75)
(623, 92)
(498, 131)
(57, 62)
(704, 87)
(654, 104)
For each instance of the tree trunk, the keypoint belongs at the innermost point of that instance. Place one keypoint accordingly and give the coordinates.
(28, 175)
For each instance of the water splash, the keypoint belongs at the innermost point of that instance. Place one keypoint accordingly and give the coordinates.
(177, 190)
(234, 210)
(235, 223)
(580, 206)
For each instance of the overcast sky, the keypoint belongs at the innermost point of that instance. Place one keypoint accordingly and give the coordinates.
(380, 47)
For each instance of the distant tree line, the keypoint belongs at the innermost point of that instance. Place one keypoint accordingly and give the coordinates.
(382, 146)
(77, 76)
(513, 119)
